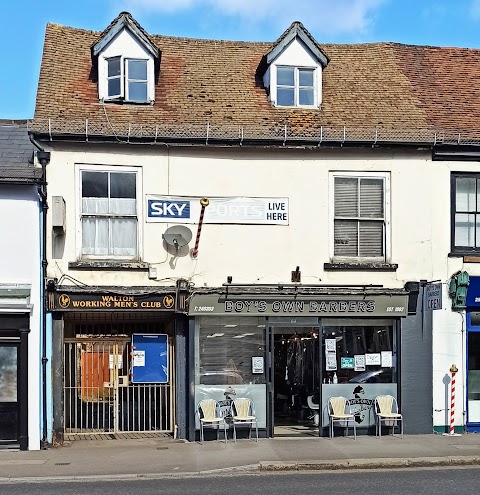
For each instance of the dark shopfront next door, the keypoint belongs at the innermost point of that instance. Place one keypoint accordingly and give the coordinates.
(14, 381)
(9, 393)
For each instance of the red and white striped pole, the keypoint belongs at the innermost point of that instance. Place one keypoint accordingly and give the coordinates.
(204, 203)
(453, 371)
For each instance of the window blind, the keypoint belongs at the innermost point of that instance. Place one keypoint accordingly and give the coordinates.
(359, 217)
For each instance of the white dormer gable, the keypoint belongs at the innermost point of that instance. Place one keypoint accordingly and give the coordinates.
(294, 70)
(126, 63)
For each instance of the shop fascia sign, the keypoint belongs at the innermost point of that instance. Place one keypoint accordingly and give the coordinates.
(110, 302)
(381, 305)
(221, 210)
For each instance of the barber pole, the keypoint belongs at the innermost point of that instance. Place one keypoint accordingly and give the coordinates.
(204, 202)
(453, 371)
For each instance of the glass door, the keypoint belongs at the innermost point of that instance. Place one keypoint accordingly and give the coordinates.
(9, 410)
(473, 371)
(294, 380)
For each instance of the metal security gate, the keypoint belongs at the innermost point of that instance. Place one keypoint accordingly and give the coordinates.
(99, 396)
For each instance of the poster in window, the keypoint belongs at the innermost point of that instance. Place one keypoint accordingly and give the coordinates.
(359, 362)
(331, 362)
(373, 359)
(330, 346)
(347, 363)
(257, 364)
(387, 360)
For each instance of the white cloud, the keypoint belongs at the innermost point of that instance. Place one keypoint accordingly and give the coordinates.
(323, 16)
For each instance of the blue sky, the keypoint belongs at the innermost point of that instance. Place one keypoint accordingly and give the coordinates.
(423, 22)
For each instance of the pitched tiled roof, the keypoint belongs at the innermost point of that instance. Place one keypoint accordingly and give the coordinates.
(16, 153)
(15, 146)
(379, 86)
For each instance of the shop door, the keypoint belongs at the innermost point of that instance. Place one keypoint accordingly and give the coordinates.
(9, 396)
(100, 395)
(294, 380)
(473, 372)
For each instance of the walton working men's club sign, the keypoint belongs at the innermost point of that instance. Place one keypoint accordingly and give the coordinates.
(110, 302)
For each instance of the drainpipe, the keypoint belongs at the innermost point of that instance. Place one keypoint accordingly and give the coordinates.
(44, 158)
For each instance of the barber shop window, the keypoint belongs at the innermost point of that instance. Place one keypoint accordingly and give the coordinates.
(360, 351)
(226, 346)
(465, 213)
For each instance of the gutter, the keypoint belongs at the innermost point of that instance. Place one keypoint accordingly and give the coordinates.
(242, 142)
(43, 157)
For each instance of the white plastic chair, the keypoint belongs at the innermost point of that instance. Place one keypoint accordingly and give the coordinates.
(243, 413)
(208, 411)
(337, 413)
(386, 410)
(314, 408)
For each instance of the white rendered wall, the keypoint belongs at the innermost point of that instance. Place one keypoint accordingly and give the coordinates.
(20, 264)
(251, 253)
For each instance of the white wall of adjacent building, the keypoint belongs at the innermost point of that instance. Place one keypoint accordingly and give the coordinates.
(20, 265)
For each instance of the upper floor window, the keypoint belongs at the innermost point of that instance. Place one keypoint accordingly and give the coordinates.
(109, 217)
(295, 86)
(127, 79)
(466, 213)
(360, 221)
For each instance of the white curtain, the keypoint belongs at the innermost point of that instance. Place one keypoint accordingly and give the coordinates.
(109, 236)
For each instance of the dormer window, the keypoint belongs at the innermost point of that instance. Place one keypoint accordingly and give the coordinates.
(131, 83)
(126, 58)
(292, 70)
(295, 86)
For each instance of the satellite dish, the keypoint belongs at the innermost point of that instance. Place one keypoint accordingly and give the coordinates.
(177, 236)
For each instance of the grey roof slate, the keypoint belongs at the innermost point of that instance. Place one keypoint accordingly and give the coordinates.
(15, 146)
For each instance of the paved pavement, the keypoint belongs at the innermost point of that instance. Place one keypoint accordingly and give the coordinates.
(152, 457)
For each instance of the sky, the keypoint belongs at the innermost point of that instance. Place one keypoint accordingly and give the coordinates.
(419, 22)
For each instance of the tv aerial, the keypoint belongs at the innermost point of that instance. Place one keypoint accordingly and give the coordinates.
(177, 236)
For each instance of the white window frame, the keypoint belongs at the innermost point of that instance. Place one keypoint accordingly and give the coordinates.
(108, 78)
(297, 86)
(128, 79)
(124, 80)
(82, 167)
(385, 176)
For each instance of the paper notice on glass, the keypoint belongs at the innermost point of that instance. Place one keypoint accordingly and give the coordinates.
(330, 346)
(119, 362)
(387, 361)
(373, 359)
(359, 362)
(331, 362)
(257, 364)
(138, 358)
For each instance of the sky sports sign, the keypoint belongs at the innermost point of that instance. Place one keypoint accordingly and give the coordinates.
(234, 210)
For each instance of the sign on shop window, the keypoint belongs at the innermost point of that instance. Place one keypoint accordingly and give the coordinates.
(359, 362)
(347, 363)
(257, 364)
